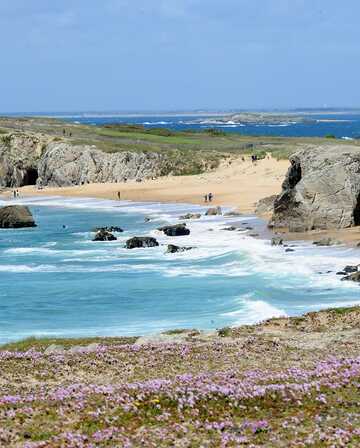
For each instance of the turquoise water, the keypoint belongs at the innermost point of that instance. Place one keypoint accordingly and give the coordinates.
(56, 281)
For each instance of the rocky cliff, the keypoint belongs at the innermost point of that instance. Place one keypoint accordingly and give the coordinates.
(63, 164)
(19, 156)
(27, 159)
(321, 190)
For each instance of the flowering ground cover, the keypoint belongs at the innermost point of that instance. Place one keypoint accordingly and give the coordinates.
(286, 382)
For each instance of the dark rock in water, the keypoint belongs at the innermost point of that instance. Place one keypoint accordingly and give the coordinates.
(191, 216)
(289, 250)
(141, 241)
(232, 214)
(277, 241)
(350, 269)
(254, 235)
(147, 219)
(355, 277)
(326, 242)
(341, 273)
(176, 230)
(230, 229)
(249, 228)
(109, 229)
(172, 249)
(15, 217)
(214, 211)
(104, 235)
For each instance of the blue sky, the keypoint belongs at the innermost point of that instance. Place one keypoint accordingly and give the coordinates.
(64, 55)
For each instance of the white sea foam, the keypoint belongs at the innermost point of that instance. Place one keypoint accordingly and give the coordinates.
(253, 311)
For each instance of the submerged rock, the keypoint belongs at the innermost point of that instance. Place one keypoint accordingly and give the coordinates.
(141, 241)
(16, 216)
(214, 211)
(104, 235)
(175, 230)
(321, 189)
(172, 249)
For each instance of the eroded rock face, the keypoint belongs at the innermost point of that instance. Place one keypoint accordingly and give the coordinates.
(19, 157)
(16, 216)
(66, 165)
(321, 190)
(29, 159)
(265, 205)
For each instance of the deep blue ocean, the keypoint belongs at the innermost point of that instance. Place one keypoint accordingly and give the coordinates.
(342, 125)
(56, 281)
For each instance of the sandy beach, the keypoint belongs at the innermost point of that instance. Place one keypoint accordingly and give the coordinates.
(236, 183)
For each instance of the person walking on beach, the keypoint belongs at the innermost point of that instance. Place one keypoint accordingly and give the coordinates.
(14, 194)
(119, 195)
(206, 198)
(210, 197)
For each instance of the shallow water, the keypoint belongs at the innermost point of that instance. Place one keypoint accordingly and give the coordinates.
(56, 281)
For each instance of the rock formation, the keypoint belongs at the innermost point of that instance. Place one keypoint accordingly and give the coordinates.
(321, 190)
(19, 157)
(104, 235)
(16, 216)
(265, 205)
(172, 249)
(214, 211)
(141, 241)
(175, 230)
(63, 164)
(29, 159)
(190, 216)
(109, 229)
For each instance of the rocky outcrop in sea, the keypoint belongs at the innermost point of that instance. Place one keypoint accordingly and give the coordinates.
(15, 217)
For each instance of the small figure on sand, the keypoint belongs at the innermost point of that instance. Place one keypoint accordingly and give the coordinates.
(210, 195)
(14, 194)
(206, 198)
(119, 195)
